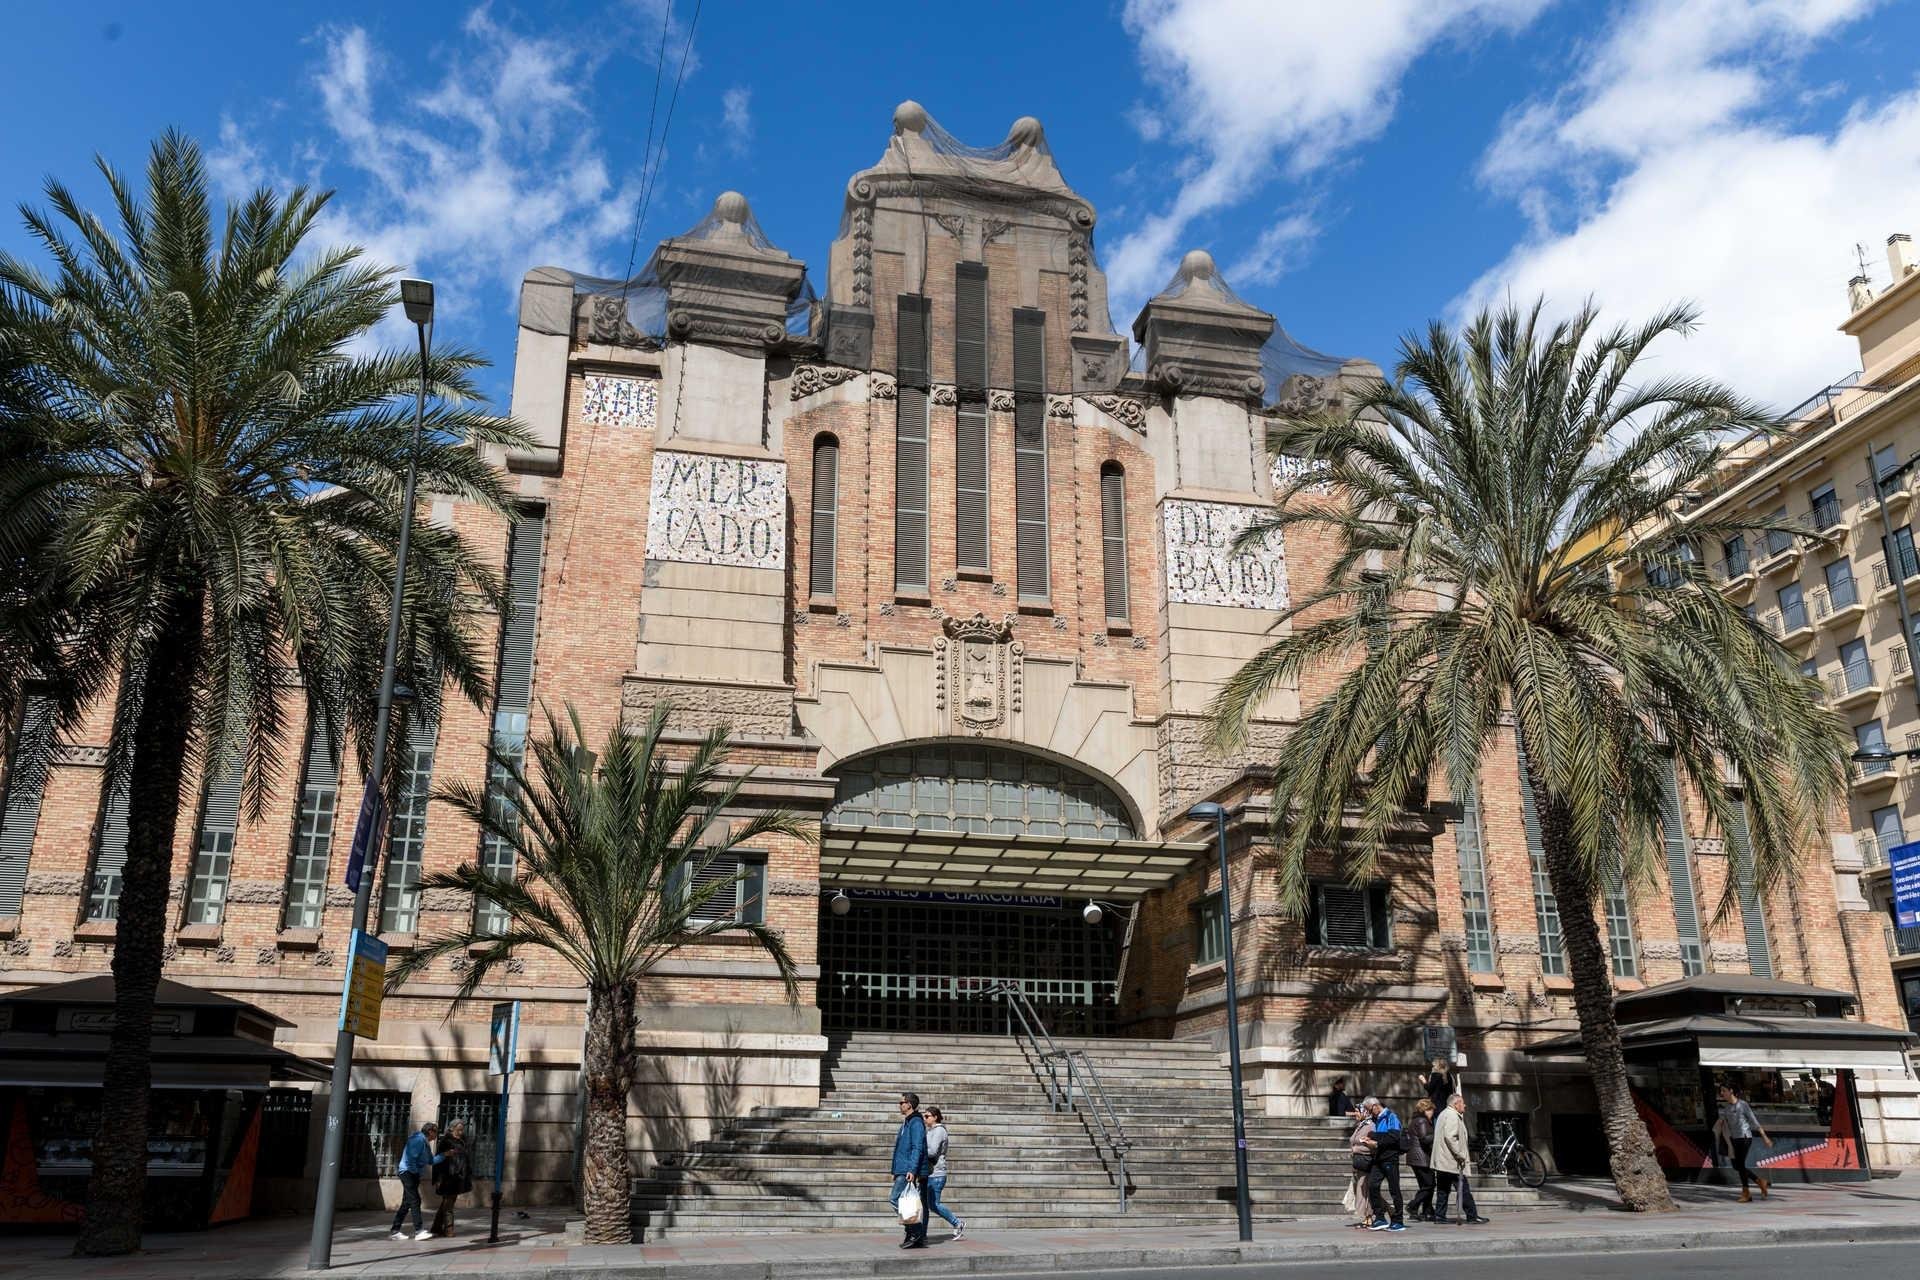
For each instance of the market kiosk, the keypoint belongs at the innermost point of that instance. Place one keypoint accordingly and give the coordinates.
(1790, 1049)
(214, 1062)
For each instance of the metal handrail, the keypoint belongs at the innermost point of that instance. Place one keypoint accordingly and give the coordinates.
(1077, 1063)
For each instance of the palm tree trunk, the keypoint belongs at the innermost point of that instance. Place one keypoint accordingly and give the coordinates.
(116, 1191)
(1636, 1169)
(608, 1176)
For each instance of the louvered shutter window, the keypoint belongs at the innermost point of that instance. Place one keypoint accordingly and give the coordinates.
(313, 829)
(1740, 850)
(1113, 539)
(219, 817)
(26, 784)
(910, 449)
(742, 901)
(972, 491)
(1546, 910)
(1340, 915)
(1030, 453)
(824, 543)
(516, 694)
(1686, 913)
(110, 853)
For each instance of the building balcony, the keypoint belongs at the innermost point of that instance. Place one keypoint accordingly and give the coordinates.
(1873, 852)
(1827, 520)
(1838, 605)
(1897, 491)
(1901, 663)
(1778, 553)
(1790, 626)
(1883, 579)
(1902, 942)
(1875, 775)
(1853, 684)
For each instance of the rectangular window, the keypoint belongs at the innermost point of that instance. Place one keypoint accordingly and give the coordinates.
(1752, 914)
(407, 830)
(1777, 540)
(1793, 607)
(824, 544)
(1113, 541)
(1030, 454)
(1619, 913)
(378, 1124)
(972, 495)
(1339, 915)
(515, 697)
(1855, 666)
(1840, 588)
(1209, 931)
(910, 448)
(1885, 461)
(109, 853)
(1871, 739)
(1475, 910)
(219, 818)
(26, 784)
(1735, 549)
(286, 1123)
(1810, 668)
(313, 829)
(743, 901)
(1826, 507)
(1900, 553)
(1686, 912)
(1888, 831)
(1546, 911)
(481, 1111)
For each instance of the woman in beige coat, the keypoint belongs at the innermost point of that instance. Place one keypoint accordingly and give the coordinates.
(1451, 1161)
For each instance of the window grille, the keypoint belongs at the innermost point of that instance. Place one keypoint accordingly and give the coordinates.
(972, 513)
(1113, 539)
(26, 783)
(481, 1111)
(1475, 909)
(910, 448)
(1340, 915)
(407, 831)
(286, 1122)
(942, 787)
(823, 546)
(379, 1122)
(1030, 454)
(313, 829)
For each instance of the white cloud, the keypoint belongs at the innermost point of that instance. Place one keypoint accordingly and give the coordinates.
(1248, 83)
(1665, 172)
(1276, 251)
(736, 118)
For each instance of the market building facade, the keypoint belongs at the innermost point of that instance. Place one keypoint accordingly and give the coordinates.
(954, 561)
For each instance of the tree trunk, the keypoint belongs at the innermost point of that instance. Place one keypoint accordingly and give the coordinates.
(162, 732)
(608, 1176)
(1636, 1170)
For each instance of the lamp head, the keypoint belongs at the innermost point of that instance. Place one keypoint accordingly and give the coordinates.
(840, 903)
(1091, 913)
(417, 297)
(1206, 811)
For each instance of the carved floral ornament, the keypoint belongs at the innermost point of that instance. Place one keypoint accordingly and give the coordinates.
(811, 379)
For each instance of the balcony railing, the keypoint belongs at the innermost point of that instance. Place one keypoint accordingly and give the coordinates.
(1872, 852)
(1852, 677)
(1826, 514)
(1736, 565)
(1909, 563)
(1793, 617)
(1901, 662)
(1843, 594)
(1903, 942)
(1777, 542)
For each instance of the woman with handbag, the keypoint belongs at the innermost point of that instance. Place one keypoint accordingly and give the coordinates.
(1419, 1156)
(1360, 1147)
(452, 1176)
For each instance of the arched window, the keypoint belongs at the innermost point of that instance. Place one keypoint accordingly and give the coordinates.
(826, 515)
(967, 787)
(1113, 539)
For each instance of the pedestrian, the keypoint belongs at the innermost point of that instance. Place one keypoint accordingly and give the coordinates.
(937, 1143)
(1338, 1103)
(1419, 1158)
(909, 1166)
(1389, 1137)
(416, 1158)
(1360, 1148)
(1451, 1162)
(452, 1177)
(1440, 1083)
(1736, 1128)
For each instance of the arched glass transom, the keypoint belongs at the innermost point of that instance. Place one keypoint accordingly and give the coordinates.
(963, 787)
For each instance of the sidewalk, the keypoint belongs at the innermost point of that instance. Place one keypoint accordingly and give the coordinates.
(536, 1246)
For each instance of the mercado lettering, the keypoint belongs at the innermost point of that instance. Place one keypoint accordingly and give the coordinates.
(714, 510)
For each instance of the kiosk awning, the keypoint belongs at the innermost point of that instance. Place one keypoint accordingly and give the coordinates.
(1756, 1040)
(970, 862)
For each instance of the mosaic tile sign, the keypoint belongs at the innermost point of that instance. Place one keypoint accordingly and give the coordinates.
(1287, 468)
(1201, 565)
(714, 510)
(620, 402)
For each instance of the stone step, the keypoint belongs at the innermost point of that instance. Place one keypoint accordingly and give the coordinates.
(988, 1159)
(889, 1042)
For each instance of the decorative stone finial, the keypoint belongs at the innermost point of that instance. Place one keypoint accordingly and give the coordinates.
(732, 207)
(909, 117)
(1026, 132)
(1197, 265)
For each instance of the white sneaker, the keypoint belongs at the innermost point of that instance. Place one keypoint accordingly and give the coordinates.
(424, 1235)
(399, 1235)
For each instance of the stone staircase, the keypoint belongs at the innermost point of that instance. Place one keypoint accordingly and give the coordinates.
(1015, 1162)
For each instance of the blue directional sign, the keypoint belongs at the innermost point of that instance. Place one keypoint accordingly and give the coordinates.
(1904, 862)
(366, 834)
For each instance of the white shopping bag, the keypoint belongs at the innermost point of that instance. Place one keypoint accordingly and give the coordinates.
(909, 1205)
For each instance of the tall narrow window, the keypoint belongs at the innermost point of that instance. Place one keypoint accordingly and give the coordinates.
(1626, 960)
(313, 828)
(1752, 915)
(26, 783)
(972, 517)
(1546, 910)
(219, 818)
(407, 830)
(1030, 453)
(1113, 540)
(515, 692)
(910, 448)
(1686, 912)
(109, 852)
(1474, 910)
(824, 544)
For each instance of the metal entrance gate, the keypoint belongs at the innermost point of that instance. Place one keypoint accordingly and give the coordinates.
(889, 965)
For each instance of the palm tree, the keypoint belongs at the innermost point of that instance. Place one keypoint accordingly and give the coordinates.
(1460, 596)
(205, 473)
(616, 872)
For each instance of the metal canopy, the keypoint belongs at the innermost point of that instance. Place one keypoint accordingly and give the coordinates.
(973, 862)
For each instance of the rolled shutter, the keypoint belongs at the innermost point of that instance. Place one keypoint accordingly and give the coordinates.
(221, 811)
(523, 602)
(323, 766)
(910, 448)
(1113, 540)
(32, 757)
(1740, 850)
(972, 496)
(1030, 453)
(826, 515)
(1673, 830)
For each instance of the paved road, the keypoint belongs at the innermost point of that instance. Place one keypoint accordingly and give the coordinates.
(1808, 1261)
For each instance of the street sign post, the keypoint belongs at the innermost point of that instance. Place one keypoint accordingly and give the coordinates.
(366, 834)
(503, 1047)
(366, 984)
(1903, 863)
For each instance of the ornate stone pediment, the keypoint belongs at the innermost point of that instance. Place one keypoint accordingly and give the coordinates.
(978, 672)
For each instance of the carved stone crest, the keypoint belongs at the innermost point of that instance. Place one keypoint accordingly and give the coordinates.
(977, 681)
(810, 379)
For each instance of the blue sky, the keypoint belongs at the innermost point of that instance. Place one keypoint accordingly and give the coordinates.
(1357, 169)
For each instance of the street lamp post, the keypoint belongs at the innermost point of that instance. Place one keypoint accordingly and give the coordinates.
(416, 296)
(1208, 811)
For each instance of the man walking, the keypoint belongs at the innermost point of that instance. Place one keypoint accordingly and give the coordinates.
(416, 1158)
(1451, 1162)
(909, 1159)
(1388, 1145)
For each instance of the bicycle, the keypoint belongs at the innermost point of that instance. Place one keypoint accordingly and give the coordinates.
(1503, 1152)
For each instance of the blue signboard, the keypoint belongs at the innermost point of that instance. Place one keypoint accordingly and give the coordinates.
(960, 899)
(1904, 862)
(366, 835)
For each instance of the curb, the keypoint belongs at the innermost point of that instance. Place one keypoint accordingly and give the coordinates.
(1743, 1237)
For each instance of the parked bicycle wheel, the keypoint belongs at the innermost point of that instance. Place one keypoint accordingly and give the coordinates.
(1490, 1161)
(1528, 1167)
